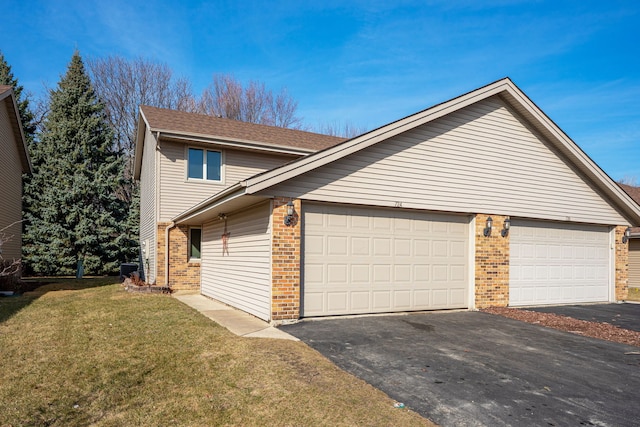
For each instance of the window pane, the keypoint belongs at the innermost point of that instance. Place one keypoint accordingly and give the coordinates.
(213, 165)
(196, 240)
(196, 158)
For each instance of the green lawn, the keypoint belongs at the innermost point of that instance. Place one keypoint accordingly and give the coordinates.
(77, 353)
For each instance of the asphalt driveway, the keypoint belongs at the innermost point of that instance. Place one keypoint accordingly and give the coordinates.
(472, 368)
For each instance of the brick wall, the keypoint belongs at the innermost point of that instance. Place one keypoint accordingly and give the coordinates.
(622, 265)
(491, 263)
(182, 273)
(285, 263)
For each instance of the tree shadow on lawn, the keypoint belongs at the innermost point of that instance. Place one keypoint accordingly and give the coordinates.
(31, 289)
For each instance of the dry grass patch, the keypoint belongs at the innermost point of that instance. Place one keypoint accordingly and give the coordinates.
(88, 353)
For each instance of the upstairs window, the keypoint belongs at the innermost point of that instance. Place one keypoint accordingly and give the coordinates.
(204, 164)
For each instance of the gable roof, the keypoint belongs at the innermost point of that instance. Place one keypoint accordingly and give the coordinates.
(503, 88)
(7, 96)
(634, 192)
(185, 126)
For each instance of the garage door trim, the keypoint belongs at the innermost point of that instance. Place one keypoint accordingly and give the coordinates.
(380, 280)
(560, 263)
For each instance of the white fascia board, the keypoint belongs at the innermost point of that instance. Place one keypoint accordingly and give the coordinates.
(233, 142)
(504, 86)
(577, 155)
(140, 137)
(27, 166)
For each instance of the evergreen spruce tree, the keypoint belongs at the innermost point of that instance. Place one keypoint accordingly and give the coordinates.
(74, 218)
(26, 116)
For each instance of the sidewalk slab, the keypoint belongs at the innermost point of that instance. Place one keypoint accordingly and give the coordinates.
(236, 321)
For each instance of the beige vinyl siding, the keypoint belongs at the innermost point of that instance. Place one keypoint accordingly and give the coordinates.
(148, 215)
(634, 263)
(241, 275)
(177, 194)
(482, 158)
(10, 187)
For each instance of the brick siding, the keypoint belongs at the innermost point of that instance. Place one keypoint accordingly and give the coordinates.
(285, 262)
(491, 263)
(622, 265)
(182, 273)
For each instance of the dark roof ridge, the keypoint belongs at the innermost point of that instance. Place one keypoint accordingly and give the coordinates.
(163, 119)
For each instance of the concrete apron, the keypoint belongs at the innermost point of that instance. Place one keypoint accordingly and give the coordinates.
(236, 321)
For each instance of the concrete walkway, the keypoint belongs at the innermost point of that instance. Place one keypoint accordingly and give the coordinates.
(238, 322)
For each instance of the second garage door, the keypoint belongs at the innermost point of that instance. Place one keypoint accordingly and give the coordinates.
(634, 263)
(557, 263)
(372, 260)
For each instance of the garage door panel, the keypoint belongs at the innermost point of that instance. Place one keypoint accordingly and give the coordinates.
(457, 296)
(382, 274)
(360, 301)
(381, 247)
(402, 300)
(394, 260)
(337, 245)
(402, 274)
(361, 246)
(553, 263)
(314, 245)
(458, 273)
(337, 273)
(337, 301)
(382, 300)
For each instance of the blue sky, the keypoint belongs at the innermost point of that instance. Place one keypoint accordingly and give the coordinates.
(367, 62)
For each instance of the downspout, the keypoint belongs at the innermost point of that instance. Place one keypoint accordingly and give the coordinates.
(168, 228)
(166, 252)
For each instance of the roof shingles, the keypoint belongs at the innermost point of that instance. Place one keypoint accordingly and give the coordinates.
(634, 192)
(160, 119)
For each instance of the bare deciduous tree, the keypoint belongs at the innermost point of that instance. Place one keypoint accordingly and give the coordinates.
(345, 130)
(226, 97)
(629, 180)
(8, 267)
(123, 85)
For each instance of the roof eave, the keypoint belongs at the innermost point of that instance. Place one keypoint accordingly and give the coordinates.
(504, 87)
(18, 131)
(139, 148)
(235, 142)
(205, 207)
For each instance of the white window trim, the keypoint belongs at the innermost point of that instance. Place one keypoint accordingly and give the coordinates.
(189, 257)
(204, 165)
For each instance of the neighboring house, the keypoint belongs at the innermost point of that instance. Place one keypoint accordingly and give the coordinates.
(634, 241)
(479, 201)
(14, 161)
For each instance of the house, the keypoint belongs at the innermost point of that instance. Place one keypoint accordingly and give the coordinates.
(14, 161)
(478, 201)
(634, 241)
(183, 158)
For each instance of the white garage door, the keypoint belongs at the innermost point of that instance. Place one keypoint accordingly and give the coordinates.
(554, 263)
(371, 260)
(634, 263)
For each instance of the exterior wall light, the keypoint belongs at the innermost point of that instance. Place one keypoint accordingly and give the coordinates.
(506, 225)
(487, 229)
(288, 220)
(626, 235)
